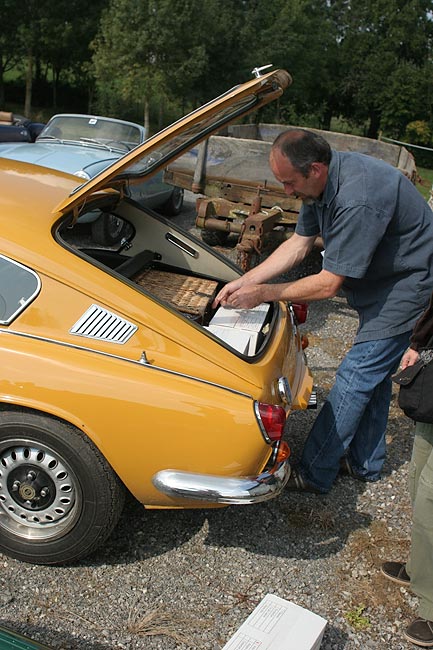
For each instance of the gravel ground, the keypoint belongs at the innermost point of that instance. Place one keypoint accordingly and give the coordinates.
(188, 579)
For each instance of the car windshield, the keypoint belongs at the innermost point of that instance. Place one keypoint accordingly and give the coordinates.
(93, 130)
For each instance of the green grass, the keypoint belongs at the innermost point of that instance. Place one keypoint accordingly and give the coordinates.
(426, 181)
(356, 619)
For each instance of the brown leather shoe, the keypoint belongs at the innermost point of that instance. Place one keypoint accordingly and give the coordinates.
(420, 632)
(297, 483)
(396, 571)
(346, 469)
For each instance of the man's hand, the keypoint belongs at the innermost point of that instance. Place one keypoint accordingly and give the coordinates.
(221, 297)
(288, 255)
(409, 358)
(227, 290)
(245, 297)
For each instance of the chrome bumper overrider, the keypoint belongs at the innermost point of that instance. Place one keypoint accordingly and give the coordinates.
(312, 402)
(223, 489)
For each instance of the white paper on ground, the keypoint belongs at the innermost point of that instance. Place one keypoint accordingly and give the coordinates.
(278, 624)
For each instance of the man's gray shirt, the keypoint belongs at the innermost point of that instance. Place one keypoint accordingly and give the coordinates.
(377, 232)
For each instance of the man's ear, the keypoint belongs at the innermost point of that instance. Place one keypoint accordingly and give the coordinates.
(317, 169)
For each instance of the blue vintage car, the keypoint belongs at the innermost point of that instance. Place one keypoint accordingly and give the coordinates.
(17, 128)
(84, 145)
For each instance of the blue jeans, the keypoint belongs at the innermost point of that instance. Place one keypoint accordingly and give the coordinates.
(353, 418)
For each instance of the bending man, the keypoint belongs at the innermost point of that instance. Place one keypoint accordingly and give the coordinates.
(378, 239)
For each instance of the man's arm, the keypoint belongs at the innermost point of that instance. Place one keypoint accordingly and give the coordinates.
(314, 287)
(288, 255)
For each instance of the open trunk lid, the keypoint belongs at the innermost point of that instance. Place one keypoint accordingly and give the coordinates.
(167, 145)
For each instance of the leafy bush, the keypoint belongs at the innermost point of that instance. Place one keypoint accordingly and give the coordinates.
(418, 132)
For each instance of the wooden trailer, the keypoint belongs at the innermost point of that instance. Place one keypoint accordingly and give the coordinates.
(238, 192)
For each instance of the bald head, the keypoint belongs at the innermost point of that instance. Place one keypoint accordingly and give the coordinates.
(299, 159)
(302, 148)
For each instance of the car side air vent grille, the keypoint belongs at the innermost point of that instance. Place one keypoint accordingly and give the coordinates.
(98, 323)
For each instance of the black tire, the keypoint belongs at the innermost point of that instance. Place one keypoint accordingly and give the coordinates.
(174, 204)
(59, 498)
(214, 237)
(108, 230)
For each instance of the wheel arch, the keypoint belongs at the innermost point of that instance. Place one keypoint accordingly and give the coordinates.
(55, 415)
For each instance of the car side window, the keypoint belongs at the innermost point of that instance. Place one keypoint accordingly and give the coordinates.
(18, 287)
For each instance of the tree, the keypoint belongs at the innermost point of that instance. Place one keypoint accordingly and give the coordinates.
(55, 36)
(181, 54)
(10, 18)
(300, 36)
(368, 61)
(145, 65)
(384, 41)
(66, 32)
(28, 41)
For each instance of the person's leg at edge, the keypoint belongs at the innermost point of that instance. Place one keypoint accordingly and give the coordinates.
(366, 453)
(365, 367)
(420, 564)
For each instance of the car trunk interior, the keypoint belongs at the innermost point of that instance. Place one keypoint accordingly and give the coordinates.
(174, 269)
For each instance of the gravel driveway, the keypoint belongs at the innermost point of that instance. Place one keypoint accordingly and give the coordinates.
(188, 579)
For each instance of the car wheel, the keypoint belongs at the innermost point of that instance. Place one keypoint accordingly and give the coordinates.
(59, 498)
(108, 230)
(214, 237)
(174, 204)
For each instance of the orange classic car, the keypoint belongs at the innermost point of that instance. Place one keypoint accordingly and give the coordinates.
(117, 373)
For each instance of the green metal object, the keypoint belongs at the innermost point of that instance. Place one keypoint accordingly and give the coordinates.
(10, 640)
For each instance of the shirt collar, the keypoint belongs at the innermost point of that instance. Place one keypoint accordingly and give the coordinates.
(331, 187)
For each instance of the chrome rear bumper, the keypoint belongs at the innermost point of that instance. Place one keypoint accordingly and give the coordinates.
(223, 489)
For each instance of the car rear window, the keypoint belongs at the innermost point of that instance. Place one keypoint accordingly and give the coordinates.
(18, 287)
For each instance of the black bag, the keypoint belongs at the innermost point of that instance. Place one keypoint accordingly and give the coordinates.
(415, 397)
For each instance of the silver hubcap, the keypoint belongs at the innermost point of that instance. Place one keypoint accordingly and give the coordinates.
(38, 491)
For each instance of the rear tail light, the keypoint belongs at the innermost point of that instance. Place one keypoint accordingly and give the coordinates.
(300, 310)
(272, 420)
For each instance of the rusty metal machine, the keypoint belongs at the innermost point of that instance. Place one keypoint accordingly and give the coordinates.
(239, 194)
